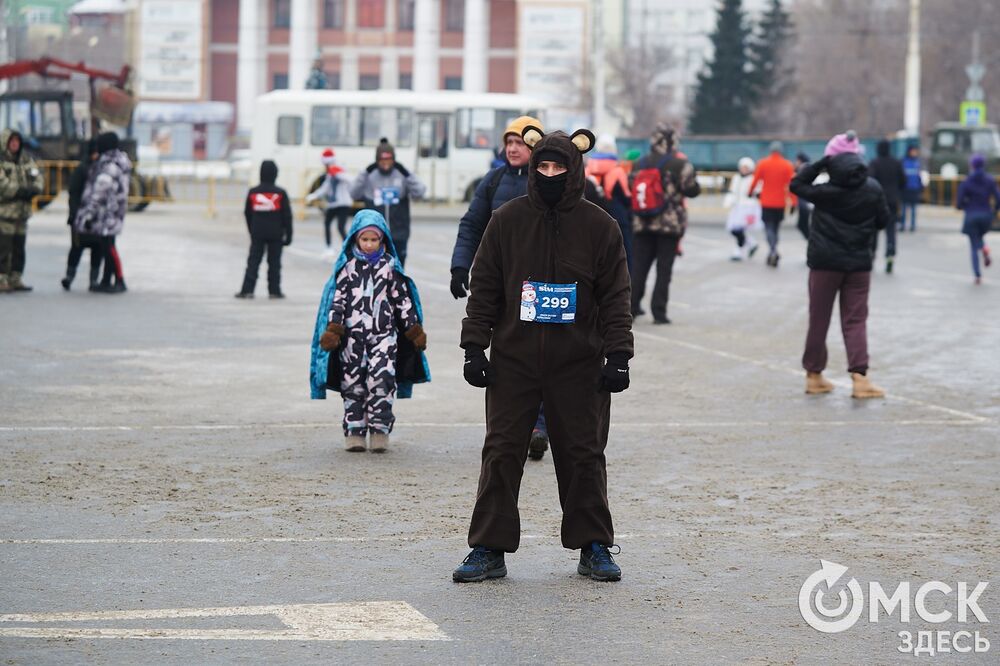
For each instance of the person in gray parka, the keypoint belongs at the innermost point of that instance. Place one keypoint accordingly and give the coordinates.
(387, 186)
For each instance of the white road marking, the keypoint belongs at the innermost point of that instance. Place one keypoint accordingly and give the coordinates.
(974, 418)
(362, 621)
(680, 425)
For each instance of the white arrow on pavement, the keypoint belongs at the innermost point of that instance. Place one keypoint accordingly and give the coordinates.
(363, 621)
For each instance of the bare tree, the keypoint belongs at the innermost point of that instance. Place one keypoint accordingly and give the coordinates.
(637, 92)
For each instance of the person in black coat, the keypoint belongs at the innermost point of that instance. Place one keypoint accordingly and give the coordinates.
(848, 213)
(82, 241)
(888, 171)
(268, 213)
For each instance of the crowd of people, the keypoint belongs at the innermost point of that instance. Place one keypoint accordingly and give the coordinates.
(553, 255)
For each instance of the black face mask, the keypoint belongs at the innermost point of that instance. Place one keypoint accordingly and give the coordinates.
(551, 188)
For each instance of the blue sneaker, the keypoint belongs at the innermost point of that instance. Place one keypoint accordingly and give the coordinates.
(481, 563)
(596, 562)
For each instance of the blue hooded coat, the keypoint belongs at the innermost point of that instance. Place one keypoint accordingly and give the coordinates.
(411, 365)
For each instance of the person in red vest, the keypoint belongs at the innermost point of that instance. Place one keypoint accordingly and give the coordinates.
(774, 173)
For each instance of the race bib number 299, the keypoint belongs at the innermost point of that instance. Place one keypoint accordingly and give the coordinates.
(546, 303)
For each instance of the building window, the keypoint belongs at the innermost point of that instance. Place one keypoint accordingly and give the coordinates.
(371, 13)
(406, 81)
(454, 15)
(404, 11)
(282, 14)
(453, 83)
(333, 14)
(368, 82)
(279, 82)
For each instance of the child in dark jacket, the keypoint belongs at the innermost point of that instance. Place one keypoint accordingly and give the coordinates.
(372, 299)
(268, 213)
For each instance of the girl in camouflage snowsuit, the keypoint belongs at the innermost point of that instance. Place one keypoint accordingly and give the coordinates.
(371, 301)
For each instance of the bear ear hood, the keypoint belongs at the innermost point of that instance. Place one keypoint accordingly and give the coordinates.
(571, 149)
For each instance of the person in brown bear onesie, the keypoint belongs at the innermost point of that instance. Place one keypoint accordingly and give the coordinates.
(551, 299)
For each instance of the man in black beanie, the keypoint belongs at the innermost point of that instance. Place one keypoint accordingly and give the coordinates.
(387, 186)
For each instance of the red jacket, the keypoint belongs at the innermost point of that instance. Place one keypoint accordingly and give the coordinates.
(775, 172)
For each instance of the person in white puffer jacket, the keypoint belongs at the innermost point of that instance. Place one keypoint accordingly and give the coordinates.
(744, 211)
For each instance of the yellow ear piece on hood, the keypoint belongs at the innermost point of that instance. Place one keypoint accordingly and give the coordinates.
(583, 140)
(531, 136)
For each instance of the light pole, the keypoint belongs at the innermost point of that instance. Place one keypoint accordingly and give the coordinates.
(911, 106)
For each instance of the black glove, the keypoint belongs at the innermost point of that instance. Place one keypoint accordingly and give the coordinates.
(614, 374)
(477, 368)
(287, 240)
(459, 282)
(25, 193)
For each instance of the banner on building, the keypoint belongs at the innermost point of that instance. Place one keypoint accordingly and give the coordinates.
(171, 50)
(552, 38)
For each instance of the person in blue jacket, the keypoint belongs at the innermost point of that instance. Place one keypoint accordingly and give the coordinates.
(974, 197)
(500, 185)
(368, 342)
(912, 189)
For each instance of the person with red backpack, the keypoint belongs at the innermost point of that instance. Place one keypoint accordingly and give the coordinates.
(662, 179)
(612, 178)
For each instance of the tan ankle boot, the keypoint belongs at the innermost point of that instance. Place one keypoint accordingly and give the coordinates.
(354, 443)
(816, 383)
(863, 388)
(379, 442)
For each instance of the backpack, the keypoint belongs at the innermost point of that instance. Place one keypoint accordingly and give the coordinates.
(494, 185)
(647, 190)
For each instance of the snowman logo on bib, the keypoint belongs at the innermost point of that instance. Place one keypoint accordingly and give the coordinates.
(529, 297)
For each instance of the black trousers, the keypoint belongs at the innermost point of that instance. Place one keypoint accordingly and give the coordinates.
(81, 242)
(19, 257)
(341, 214)
(578, 417)
(257, 249)
(646, 248)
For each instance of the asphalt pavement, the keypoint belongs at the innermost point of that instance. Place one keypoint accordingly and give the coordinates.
(169, 494)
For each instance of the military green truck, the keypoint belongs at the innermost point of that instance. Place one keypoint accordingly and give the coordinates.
(952, 144)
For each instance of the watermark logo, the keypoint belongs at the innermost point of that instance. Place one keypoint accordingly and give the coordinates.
(831, 603)
(834, 618)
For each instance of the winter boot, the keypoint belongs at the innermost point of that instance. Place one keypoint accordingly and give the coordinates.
(480, 564)
(5, 284)
(379, 442)
(95, 275)
(16, 284)
(68, 280)
(816, 383)
(538, 445)
(987, 259)
(596, 562)
(863, 388)
(354, 443)
(888, 264)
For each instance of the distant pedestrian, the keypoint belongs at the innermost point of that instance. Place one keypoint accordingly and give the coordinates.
(369, 339)
(805, 208)
(20, 182)
(335, 190)
(848, 212)
(979, 197)
(888, 171)
(103, 207)
(82, 241)
(744, 211)
(604, 167)
(268, 214)
(661, 182)
(387, 186)
(773, 173)
(913, 189)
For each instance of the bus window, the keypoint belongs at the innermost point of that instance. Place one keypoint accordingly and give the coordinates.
(481, 128)
(394, 124)
(335, 126)
(289, 130)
